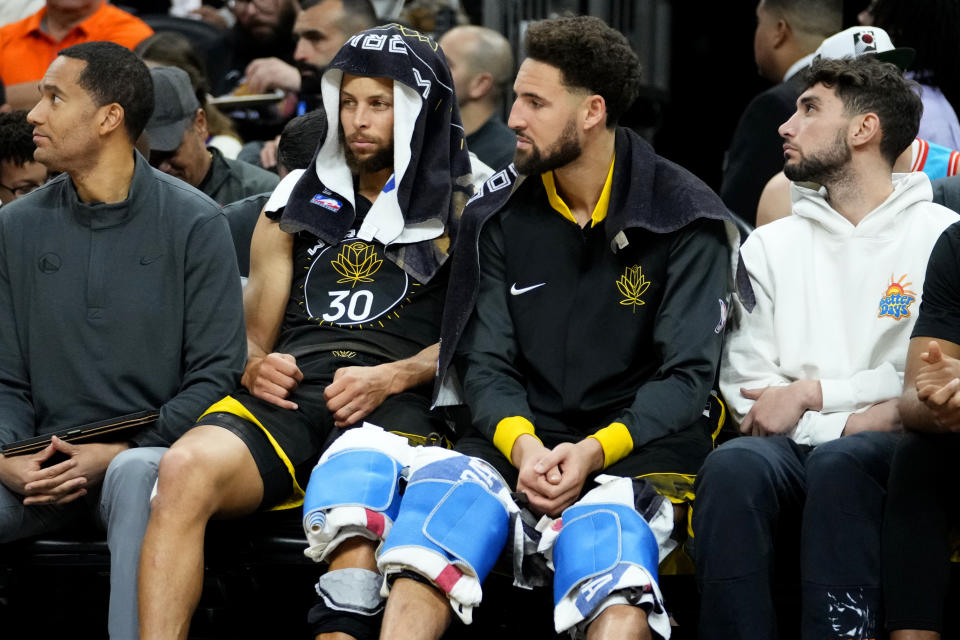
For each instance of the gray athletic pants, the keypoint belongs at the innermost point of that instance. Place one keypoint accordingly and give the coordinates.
(122, 507)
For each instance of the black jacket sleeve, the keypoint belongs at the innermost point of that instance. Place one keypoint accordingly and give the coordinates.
(687, 336)
(492, 386)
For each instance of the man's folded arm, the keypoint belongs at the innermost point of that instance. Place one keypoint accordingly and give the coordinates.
(862, 389)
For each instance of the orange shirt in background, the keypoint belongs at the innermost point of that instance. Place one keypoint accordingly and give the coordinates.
(26, 51)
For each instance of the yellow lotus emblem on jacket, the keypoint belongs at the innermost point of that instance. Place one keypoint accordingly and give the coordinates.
(632, 285)
(356, 262)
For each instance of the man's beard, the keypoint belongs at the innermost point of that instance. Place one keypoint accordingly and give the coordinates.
(310, 75)
(823, 168)
(267, 36)
(564, 151)
(380, 160)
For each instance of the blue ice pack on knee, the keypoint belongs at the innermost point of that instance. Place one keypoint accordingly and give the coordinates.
(354, 492)
(358, 478)
(453, 523)
(597, 544)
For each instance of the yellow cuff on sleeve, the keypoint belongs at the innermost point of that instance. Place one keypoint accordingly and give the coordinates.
(507, 432)
(616, 442)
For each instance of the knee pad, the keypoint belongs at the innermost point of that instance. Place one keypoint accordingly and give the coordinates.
(606, 553)
(454, 521)
(354, 490)
(349, 602)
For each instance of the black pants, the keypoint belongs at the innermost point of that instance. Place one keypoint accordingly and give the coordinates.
(921, 507)
(759, 501)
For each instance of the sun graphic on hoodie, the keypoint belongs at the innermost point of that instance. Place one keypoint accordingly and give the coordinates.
(897, 299)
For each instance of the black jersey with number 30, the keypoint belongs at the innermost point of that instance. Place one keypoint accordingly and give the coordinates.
(350, 296)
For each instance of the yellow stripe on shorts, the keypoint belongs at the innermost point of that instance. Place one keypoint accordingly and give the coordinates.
(233, 406)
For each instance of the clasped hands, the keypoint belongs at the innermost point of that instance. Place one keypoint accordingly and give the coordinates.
(59, 483)
(553, 479)
(938, 386)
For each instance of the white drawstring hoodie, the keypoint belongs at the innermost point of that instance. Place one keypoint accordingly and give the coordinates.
(829, 303)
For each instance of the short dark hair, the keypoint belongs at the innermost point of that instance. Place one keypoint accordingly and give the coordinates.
(300, 138)
(816, 17)
(115, 74)
(358, 15)
(590, 55)
(867, 85)
(16, 138)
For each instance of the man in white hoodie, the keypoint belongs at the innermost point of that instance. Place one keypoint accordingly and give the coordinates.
(814, 369)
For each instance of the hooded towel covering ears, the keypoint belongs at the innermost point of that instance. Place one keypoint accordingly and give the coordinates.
(417, 213)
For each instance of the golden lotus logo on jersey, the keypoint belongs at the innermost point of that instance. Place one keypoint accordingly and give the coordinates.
(344, 354)
(632, 285)
(356, 262)
(897, 299)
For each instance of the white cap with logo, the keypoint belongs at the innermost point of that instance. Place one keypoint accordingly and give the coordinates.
(861, 40)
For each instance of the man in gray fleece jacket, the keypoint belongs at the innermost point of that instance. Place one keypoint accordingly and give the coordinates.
(119, 292)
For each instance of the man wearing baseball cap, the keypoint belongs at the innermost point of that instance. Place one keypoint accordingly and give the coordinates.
(858, 41)
(923, 154)
(939, 123)
(813, 369)
(178, 134)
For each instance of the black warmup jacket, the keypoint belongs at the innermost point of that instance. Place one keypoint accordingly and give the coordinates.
(576, 328)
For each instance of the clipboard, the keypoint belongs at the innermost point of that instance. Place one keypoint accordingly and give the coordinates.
(247, 100)
(117, 428)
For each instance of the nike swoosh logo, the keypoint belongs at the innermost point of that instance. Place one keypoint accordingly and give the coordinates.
(514, 291)
(145, 260)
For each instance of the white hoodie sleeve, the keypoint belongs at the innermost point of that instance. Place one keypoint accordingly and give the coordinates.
(843, 397)
(816, 427)
(750, 352)
(862, 389)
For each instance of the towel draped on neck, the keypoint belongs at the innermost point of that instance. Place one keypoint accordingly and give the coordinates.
(416, 215)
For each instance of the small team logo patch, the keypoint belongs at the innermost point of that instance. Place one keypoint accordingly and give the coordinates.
(896, 302)
(632, 285)
(327, 203)
(356, 262)
(864, 42)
